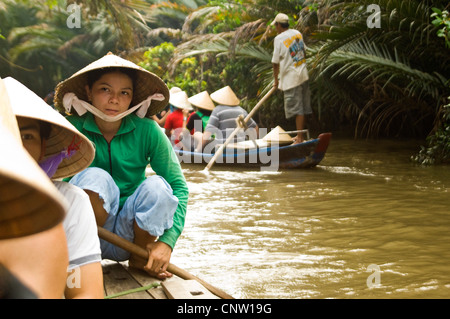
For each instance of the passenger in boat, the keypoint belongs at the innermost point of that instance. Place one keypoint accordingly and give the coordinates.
(176, 121)
(222, 121)
(289, 65)
(31, 213)
(197, 121)
(113, 99)
(61, 151)
(161, 116)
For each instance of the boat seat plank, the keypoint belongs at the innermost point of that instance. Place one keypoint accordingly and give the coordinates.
(145, 280)
(118, 277)
(116, 280)
(186, 289)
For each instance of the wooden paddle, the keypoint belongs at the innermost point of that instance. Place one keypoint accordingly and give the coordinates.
(141, 252)
(236, 130)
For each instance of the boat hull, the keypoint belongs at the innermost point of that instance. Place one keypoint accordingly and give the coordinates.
(304, 155)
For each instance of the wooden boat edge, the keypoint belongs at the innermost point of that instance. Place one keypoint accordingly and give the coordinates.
(312, 158)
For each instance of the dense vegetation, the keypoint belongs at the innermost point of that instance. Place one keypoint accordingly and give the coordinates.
(374, 76)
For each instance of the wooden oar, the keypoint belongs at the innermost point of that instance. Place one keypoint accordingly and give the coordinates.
(236, 130)
(141, 252)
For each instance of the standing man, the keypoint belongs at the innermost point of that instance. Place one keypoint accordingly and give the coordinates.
(289, 63)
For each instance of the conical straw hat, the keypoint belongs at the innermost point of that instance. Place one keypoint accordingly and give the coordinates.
(29, 202)
(202, 100)
(225, 96)
(180, 100)
(146, 83)
(26, 103)
(276, 137)
(174, 90)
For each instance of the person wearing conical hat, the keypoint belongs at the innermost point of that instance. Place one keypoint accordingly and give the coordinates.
(177, 120)
(202, 101)
(111, 101)
(197, 121)
(290, 72)
(222, 121)
(61, 151)
(31, 215)
(161, 117)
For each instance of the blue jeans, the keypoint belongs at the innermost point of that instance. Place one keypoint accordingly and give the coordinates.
(152, 206)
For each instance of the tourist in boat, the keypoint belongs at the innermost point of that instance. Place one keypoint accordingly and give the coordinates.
(110, 102)
(62, 151)
(161, 116)
(177, 120)
(290, 72)
(31, 214)
(197, 121)
(222, 121)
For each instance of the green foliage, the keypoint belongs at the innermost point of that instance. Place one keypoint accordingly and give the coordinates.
(386, 81)
(229, 15)
(442, 21)
(187, 75)
(156, 59)
(39, 49)
(437, 150)
(380, 82)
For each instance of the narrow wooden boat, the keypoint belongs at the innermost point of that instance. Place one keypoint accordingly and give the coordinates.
(123, 282)
(272, 157)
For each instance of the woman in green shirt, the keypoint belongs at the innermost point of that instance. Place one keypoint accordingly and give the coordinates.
(113, 99)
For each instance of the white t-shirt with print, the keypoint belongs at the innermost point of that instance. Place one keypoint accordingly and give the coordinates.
(288, 52)
(80, 226)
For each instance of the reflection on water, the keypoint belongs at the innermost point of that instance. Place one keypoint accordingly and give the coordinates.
(313, 233)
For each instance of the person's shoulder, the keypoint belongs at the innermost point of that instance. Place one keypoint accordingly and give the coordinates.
(146, 127)
(142, 122)
(84, 123)
(171, 116)
(220, 107)
(75, 119)
(278, 38)
(194, 115)
(70, 191)
(287, 34)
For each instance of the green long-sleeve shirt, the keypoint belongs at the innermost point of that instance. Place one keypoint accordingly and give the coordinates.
(138, 142)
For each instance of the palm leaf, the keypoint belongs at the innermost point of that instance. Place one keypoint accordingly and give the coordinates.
(366, 61)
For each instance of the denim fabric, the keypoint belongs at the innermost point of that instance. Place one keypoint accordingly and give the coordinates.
(152, 206)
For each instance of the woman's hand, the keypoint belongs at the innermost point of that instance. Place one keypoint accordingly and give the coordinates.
(158, 260)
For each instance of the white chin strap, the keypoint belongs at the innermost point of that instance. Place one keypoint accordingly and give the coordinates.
(71, 100)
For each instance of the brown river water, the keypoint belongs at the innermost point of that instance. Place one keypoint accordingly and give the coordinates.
(365, 223)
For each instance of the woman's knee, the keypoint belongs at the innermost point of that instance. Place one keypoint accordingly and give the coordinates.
(100, 187)
(154, 187)
(152, 205)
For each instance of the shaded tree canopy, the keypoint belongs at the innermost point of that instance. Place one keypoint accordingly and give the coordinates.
(387, 81)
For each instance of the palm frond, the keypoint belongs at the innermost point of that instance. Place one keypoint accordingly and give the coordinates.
(365, 61)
